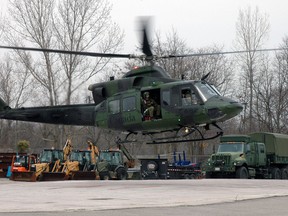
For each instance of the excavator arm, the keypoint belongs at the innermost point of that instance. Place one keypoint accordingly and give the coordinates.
(131, 160)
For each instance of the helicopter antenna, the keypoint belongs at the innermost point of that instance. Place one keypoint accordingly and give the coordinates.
(205, 76)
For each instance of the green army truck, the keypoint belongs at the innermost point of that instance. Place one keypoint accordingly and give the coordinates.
(257, 155)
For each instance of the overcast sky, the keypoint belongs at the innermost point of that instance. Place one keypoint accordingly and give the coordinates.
(199, 22)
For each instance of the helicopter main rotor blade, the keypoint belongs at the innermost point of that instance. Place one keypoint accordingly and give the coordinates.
(220, 53)
(146, 49)
(105, 55)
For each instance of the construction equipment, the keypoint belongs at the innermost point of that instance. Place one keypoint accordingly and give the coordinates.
(21, 168)
(83, 166)
(49, 167)
(52, 163)
(257, 155)
(111, 163)
(86, 169)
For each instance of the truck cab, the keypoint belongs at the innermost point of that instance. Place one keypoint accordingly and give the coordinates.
(237, 156)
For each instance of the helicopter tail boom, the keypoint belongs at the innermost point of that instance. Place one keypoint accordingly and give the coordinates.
(82, 114)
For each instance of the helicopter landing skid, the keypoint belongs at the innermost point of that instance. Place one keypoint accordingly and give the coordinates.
(182, 135)
(202, 138)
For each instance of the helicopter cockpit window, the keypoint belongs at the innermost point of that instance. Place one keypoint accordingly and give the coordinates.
(205, 90)
(114, 106)
(129, 104)
(188, 97)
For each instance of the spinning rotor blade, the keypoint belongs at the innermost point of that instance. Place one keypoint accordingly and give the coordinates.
(220, 53)
(146, 49)
(105, 55)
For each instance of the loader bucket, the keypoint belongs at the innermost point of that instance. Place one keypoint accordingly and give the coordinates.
(53, 176)
(83, 175)
(23, 176)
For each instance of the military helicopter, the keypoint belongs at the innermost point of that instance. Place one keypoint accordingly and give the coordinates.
(180, 106)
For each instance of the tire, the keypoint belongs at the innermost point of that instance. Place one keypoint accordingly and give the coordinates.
(242, 173)
(187, 176)
(121, 173)
(208, 175)
(276, 173)
(104, 176)
(192, 176)
(284, 173)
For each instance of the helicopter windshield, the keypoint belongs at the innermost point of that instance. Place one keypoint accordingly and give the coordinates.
(205, 90)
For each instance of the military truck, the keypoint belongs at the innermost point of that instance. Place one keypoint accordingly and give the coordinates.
(257, 155)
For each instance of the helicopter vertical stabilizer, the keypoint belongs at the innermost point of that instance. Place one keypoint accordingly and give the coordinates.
(3, 105)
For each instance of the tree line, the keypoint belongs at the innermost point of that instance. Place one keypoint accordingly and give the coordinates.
(256, 79)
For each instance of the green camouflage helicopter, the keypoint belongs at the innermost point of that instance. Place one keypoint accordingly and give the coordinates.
(179, 106)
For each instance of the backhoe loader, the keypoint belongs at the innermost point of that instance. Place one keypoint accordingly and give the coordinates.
(111, 163)
(48, 167)
(52, 163)
(82, 164)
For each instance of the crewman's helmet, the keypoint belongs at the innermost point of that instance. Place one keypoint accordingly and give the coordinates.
(146, 94)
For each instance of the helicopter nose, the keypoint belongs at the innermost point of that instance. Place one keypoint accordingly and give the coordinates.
(235, 107)
(232, 109)
(225, 110)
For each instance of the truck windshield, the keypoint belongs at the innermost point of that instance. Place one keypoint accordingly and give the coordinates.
(231, 147)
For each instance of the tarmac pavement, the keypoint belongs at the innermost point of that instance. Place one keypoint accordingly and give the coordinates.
(143, 197)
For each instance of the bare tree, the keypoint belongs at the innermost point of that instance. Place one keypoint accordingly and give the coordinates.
(15, 89)
(32, 23)
(172, 44)
(252, 30)
(71, 25)
(275, 99)
(219, 68)
(79, 26)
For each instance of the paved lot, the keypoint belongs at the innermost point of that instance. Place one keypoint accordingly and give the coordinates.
(143, 197)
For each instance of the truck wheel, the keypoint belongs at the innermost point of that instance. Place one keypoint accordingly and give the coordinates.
(121, 173)
(242, 173)
(284, 173)
(276, 174)
(208, 175)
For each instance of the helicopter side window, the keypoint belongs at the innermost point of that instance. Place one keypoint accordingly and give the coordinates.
(114, 106)
(129, 104)
(166, 98)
